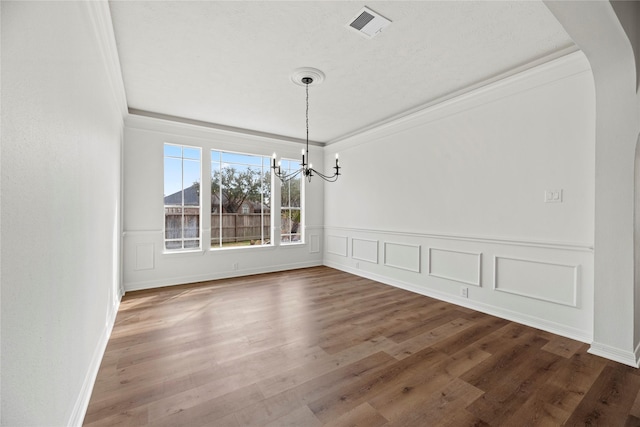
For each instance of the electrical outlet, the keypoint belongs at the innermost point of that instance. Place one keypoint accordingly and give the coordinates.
(464, 292)
(357, 265)
(235, 266)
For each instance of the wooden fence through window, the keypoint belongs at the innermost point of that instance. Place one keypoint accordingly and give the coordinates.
(236, 227)
(240, 227)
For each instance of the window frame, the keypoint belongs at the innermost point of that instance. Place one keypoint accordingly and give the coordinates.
(265, 170)
(182, 206)
(300, 178)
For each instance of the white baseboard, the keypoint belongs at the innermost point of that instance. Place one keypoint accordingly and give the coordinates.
(151, 284)
(613, 353)
(82, 402)
(531, 321)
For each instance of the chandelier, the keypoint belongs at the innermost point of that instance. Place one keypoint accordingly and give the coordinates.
(305, 76)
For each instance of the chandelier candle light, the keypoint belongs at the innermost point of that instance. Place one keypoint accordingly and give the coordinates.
(306, 77)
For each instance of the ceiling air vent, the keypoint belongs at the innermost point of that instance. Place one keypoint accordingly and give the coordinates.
(368, 23)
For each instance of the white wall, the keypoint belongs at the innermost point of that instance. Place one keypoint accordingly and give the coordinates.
(453, 197)
(61, 149)
(146, 265)
(610, 53)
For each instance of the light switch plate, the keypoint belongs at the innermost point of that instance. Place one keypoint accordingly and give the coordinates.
(553, 196)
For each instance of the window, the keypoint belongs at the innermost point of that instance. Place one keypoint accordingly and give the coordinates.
(290, 204)
(181, 197)
(240, 200)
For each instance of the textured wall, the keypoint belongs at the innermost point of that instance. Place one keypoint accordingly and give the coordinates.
(61, 148)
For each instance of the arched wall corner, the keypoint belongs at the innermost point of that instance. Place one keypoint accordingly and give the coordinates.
(636, 241)
(596, 30)
(628, 13)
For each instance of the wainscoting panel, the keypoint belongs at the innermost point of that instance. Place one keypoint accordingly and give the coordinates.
(144, 256)
(402, 256)
(464, 267)
(547, 281)
(146, 265)
(337, 245)
(364, 250)
(544, 284)
(314, 244)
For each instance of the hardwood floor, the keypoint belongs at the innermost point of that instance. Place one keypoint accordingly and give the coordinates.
(319, 347)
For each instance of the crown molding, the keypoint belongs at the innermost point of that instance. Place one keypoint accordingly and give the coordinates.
(144, 119)
(100, 18)
(561, 64)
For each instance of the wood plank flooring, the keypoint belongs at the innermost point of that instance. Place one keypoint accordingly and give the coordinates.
(320, 347)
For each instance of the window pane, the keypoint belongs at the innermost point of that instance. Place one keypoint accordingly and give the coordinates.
(215, 167)
(172, 181)
(284, 194)
(240, 185)
(295, 221)
(289, 165)
(294, 193)
(173, 223)
(215, 182)
(173, 150)
(191, 153)
(191, 223)
(191, 181)
(285, 221)
(174, 244)
(291, 205)
(191, 244)
(182, 189)
(266, 189)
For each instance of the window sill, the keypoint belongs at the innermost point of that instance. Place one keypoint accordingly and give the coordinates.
(185, 252)
(242, 248)
(292, 245)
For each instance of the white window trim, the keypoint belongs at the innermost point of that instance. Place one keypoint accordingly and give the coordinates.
(200, 247)
(302, 208)
(246, 247)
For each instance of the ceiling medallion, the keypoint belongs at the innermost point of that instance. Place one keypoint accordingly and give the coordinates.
(301, 73)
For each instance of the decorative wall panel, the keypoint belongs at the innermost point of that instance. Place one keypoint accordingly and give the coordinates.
(364, 250)
(337, 245)
(403, 256)
(542, 280)
(314, 244)
(145, 256)
(464, 267)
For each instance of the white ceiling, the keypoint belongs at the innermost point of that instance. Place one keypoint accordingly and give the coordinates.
(229, 62)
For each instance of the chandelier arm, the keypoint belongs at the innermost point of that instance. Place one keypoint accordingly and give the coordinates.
(287, 176)
(332, 178)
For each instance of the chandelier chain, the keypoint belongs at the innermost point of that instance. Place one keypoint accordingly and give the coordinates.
(307, 119)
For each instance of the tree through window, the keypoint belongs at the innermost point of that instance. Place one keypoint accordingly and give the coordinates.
(240, 199)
